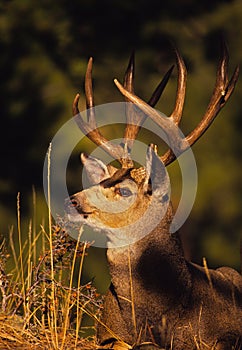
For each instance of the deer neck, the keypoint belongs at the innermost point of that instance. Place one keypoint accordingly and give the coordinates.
(156, 264)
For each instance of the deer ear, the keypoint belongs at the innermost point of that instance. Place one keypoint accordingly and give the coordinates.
(157, 177)
(96, 170)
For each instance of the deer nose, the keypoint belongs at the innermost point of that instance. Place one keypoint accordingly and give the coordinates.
(71, 202)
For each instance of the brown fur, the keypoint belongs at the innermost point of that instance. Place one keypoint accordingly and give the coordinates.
(155, 294)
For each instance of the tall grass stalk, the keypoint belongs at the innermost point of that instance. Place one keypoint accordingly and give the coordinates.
(29, 268)
(53, 320)
(21, 252)
(43, 286)
(34, 224)
(78, 309)
(132, 294)
(68, 299)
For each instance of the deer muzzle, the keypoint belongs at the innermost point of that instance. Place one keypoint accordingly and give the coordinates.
(77, 209)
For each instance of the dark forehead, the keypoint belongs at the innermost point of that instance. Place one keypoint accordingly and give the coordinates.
(119, 176)
(137, 175)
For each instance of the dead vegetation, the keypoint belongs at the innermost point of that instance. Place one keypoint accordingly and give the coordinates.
(42, 300)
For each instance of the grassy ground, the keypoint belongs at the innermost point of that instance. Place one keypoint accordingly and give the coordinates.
(42, 300)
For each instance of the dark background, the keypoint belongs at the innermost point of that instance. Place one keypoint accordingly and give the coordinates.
(44, 47)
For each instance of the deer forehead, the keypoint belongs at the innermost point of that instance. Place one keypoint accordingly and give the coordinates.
(112, 190)
(108, 199)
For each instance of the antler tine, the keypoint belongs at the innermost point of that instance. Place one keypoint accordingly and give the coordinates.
(176, 115)
(135, 119)
(165, 123)
(132, 119)
(75, 109)
(89, 95)
(160, 88)
(222, 91)
(89, 128)
(129, 74)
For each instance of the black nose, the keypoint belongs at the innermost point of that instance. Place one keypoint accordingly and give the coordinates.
(70, 203)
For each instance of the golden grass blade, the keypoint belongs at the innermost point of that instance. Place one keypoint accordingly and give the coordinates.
(53, 320)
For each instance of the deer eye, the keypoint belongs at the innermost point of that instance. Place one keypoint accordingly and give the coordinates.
(124, 192)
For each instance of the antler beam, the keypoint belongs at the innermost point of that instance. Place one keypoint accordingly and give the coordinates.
(90, 127)
(134, 120)
(221, 93)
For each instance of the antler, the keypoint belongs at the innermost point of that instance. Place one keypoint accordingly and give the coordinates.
(90, 127)
(134, 118)
(221, 93)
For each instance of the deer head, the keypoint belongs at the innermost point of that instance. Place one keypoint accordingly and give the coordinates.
(125, 205)
(119, 197)
(155, 294)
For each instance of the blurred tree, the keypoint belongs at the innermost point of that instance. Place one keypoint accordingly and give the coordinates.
(44, 48)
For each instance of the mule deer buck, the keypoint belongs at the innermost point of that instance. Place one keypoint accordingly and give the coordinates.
(156, 296)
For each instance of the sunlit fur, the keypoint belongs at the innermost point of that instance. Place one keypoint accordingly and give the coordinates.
(155, 294)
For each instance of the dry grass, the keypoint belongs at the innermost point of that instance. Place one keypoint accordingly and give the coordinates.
(42, 300)
(14, 336)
